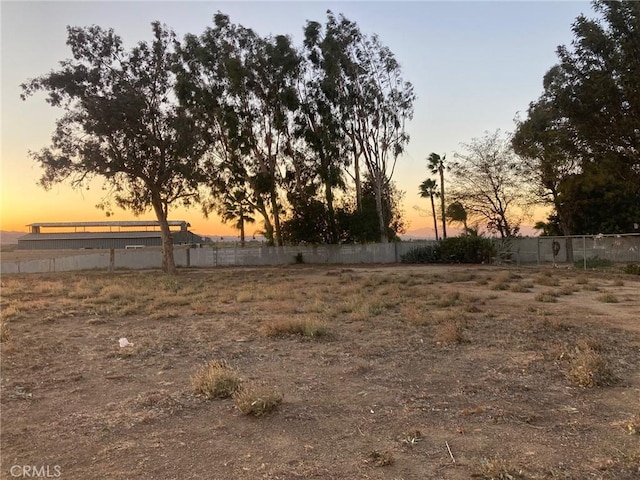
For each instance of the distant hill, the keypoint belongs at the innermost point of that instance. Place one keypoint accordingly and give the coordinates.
(10, 237)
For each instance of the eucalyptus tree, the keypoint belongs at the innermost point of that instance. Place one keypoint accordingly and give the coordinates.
(383, 105)
(428, 189)
(436, 165)
(242, 88)
(121, 123)
(319, 118)
(370, 101)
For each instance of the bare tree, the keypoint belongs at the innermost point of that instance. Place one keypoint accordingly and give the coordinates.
(488, 180)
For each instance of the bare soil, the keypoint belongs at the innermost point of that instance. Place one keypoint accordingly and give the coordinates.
(428, 372)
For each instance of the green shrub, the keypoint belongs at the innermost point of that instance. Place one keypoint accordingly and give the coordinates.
(466, 249)
(632, 269)
(428, 254)
(594, 262)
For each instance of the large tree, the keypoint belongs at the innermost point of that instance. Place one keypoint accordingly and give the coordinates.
(582, 134)
(121, 123)
(242, 88)
(487, 180)
(363, 81)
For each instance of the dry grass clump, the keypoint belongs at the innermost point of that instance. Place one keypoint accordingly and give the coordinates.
(307, 327)
(547, 280)
(449, 333)
(257, 400)
(521, 287)
(244, 296)
(4, 332)
(449, 300)
(216, 380)
(547, 297)
(381, 459)
(608, 298)
(12, 311)
(497, 469)
(567, 290)
(589, 368)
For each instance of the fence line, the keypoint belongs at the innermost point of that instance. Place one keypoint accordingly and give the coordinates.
(528, 250)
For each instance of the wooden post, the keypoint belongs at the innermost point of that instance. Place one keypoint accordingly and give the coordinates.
(112, 259)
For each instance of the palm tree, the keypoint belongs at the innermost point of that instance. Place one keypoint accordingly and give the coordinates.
(457, 213)
(237, 207)
(428, 189)
(436, 166)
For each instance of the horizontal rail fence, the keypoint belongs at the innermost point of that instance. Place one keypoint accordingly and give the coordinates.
(530, 250)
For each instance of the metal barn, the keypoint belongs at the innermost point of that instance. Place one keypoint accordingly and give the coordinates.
(103, 235)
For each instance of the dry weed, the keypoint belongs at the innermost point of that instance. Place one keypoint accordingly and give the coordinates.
(496, 468)
(608, 298)
(547, 297)
(257, 400)
(589, 368)
(5, 333)
(307, 327)
(216, 380)
(547, 280)
(381, 459)
(449, 334)
(244, 296)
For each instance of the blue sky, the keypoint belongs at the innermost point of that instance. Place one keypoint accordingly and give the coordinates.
(474, 65)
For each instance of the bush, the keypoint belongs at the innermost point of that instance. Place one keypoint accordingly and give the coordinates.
(632, 269)
(594, 262)
(428, 254)
(466, 249)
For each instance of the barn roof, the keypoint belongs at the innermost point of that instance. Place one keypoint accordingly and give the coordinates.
(88, 235)
(127, 224)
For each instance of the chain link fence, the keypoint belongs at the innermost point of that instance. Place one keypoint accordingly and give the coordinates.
(581, 251)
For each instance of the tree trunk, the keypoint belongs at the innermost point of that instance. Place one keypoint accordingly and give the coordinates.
(380, 210)
(356, 171)
(268, 227)
(333, 234)
(435, 220)
(442, 203)
(276, 217)
(568, 241)
(241, 226)
(168, 262)
(564, 225)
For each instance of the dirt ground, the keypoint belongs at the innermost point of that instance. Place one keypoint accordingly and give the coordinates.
(427, 372)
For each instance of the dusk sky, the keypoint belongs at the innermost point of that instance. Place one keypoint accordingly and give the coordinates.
(474, 65)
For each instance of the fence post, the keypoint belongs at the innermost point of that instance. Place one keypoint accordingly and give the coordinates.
(584, 253)
(112, 260)
(538, 251)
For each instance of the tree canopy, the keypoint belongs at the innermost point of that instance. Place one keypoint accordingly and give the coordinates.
(242, 124)
(581, 138)
(487, 180)
(121, 123)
